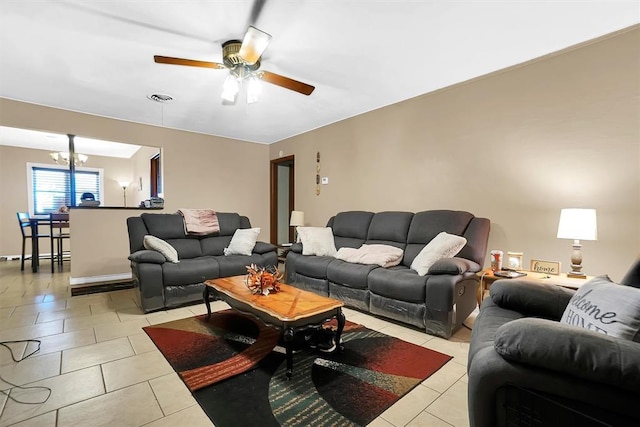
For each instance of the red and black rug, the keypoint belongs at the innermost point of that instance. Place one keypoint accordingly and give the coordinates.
(236, 372)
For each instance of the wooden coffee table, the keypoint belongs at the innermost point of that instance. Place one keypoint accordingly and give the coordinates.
(291, 309)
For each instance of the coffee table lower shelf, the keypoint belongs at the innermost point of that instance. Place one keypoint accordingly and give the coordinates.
(289, 326)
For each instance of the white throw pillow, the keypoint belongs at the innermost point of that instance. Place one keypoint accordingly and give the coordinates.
(243, 241)
(444, 245)
(317, 241)
(155, 244)
(603, 306)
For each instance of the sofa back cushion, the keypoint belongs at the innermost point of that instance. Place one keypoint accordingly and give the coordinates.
(477, 235)
(350, 229)
(164, 226)
(389, 228)
(428, 224)
(632, 277)
(187, 247)
(214, 245)
(229, 223)
(137, 230)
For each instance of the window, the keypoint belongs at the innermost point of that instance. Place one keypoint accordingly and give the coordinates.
(50, 187)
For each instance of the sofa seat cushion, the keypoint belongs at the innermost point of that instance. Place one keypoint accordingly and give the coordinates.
(236, 265)
(399, 283)
(190, 271)
(349, 274)
(313, 266)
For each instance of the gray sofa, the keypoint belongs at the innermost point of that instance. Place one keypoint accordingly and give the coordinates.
(525, 368)
(437, 303)
(163, 284)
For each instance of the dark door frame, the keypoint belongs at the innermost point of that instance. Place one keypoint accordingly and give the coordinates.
(274, 195)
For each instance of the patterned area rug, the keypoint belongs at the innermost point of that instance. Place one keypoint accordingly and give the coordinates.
(236, 372)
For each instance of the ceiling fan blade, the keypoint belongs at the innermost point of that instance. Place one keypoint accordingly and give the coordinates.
(253, 45)
(188, 62)
(286, 82)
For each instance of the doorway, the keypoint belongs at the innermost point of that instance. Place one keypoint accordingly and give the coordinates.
(282, 199)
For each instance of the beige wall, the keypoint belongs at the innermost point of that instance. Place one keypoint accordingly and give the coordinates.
(200, 171)
(515, 147)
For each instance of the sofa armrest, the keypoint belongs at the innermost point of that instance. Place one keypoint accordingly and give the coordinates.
(296, 247)
(263, 248)
(531, 298)
(454, 266)
(570, 350)
(147, 255)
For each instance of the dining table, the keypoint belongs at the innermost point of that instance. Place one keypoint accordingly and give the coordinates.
(35, 222)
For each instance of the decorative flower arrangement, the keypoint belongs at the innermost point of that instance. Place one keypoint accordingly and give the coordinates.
(263, 280)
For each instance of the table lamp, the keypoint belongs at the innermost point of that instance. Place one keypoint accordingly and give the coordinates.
(297, 220)
(577, 224)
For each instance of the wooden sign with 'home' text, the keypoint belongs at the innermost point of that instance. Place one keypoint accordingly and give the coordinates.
(546, 267)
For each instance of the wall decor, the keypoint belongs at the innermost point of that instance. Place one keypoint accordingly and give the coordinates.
(318, 173)
(546, 267)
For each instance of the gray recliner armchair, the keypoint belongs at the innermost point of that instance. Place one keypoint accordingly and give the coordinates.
(528, 369)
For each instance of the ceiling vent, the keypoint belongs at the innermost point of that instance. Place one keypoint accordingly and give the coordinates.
(160, 97)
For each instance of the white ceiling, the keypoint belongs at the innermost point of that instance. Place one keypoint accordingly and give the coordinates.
(97, 56)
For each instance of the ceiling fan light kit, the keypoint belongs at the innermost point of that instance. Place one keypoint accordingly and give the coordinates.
(242, 59)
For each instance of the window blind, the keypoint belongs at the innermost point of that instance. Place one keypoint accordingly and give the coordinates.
(51, 188)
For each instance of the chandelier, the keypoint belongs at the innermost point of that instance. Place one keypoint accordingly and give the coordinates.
(62, 158)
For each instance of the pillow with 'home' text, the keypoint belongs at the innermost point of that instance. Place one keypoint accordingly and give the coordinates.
(603, 306)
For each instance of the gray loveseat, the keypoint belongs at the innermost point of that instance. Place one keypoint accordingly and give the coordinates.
(438, 302)
(525, 368)
(163, 284)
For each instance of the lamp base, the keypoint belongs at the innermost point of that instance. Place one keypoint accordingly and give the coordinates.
(576, 275)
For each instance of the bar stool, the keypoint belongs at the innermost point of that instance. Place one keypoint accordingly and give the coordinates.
(24, 219)
(59, 226)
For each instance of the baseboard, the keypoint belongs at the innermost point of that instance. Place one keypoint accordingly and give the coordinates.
(79, 281)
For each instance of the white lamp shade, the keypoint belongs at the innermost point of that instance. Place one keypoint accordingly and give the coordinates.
(297, 219)
(124, 184)
(578, 224)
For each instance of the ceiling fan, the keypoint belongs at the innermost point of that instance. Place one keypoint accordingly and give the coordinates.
(242, 59)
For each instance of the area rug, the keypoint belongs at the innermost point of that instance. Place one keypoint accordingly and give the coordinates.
(236, 371)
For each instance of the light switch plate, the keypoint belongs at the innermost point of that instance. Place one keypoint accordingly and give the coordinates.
(325, 180)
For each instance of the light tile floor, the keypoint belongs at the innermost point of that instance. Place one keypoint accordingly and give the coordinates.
(103, 370)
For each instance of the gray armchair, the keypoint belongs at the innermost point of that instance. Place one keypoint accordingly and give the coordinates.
(527, 369)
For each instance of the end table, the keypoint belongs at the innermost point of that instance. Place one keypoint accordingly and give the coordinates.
(487, 278)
